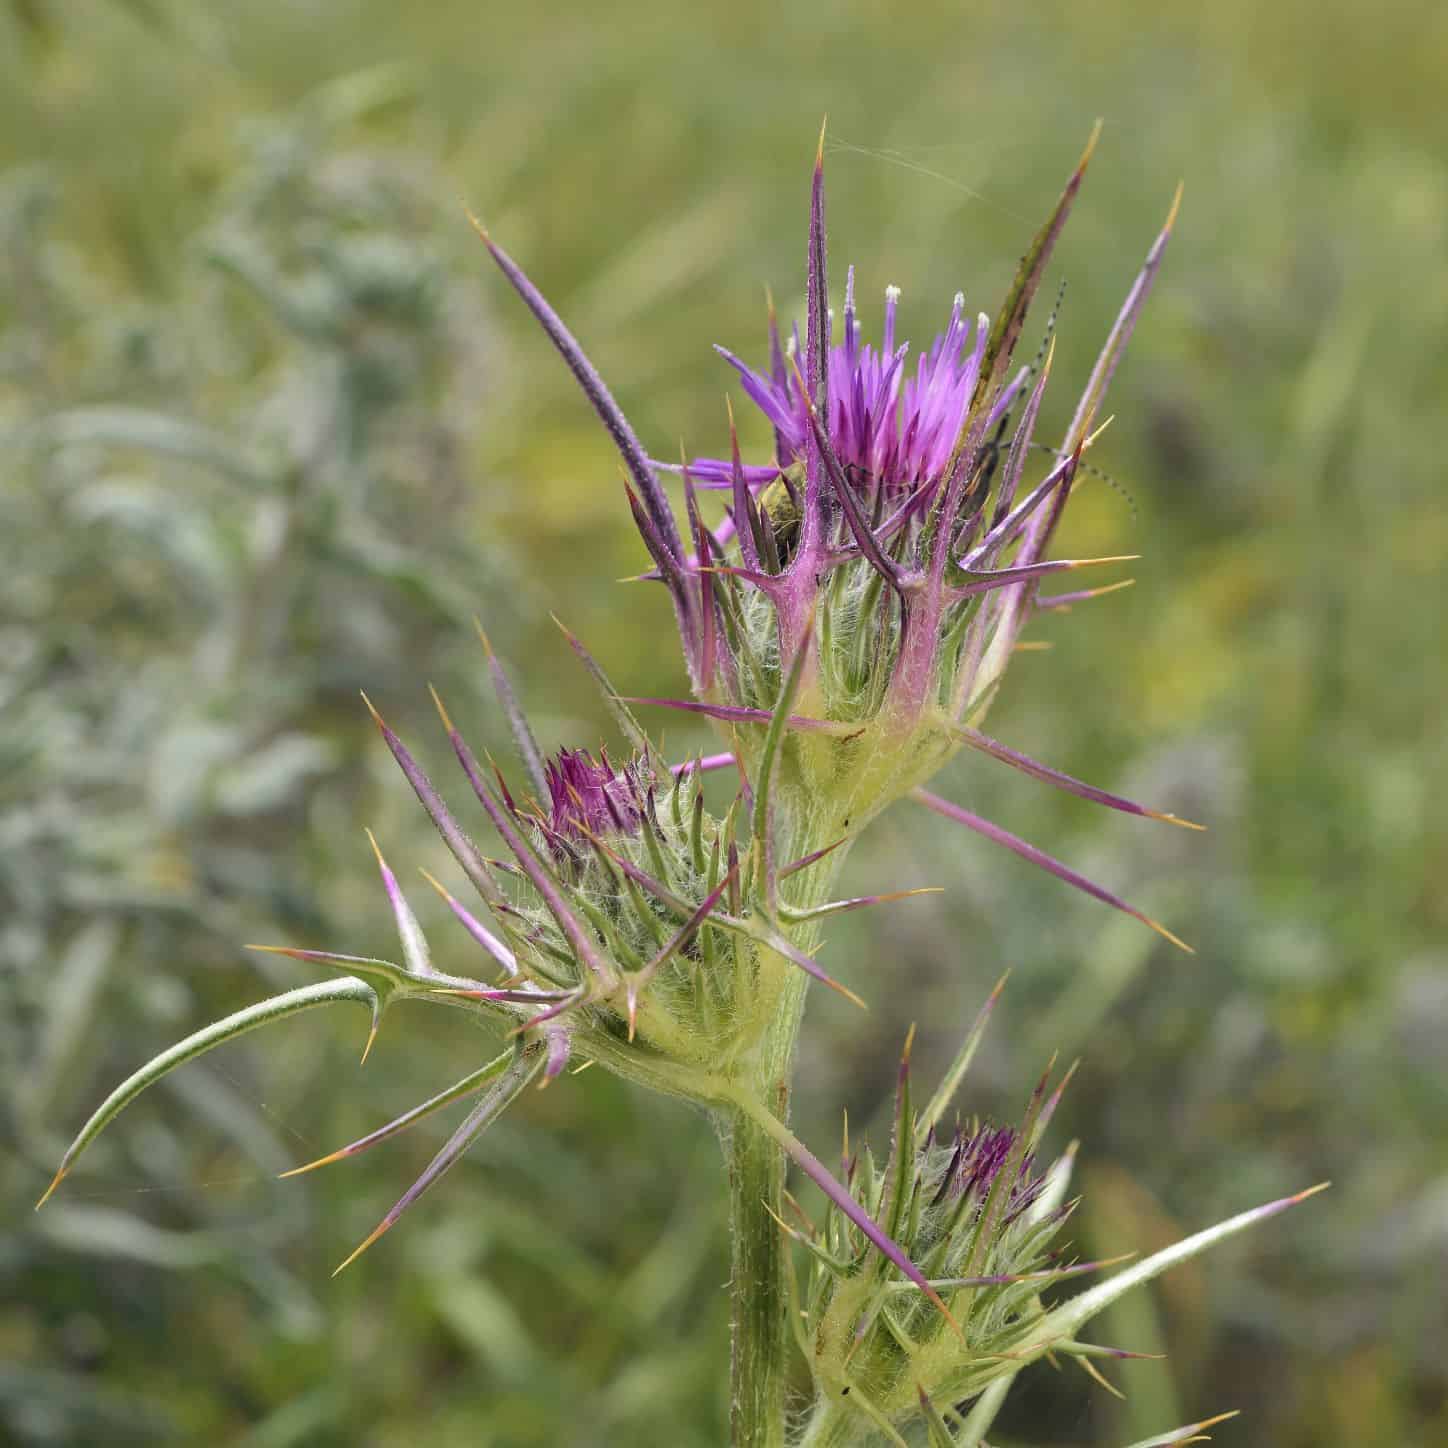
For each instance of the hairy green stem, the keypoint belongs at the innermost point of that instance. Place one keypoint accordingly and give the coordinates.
(759, 1301)
(758, 1288)
(756, 1164)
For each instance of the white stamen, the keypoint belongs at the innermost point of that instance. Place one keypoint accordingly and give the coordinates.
(887, 336)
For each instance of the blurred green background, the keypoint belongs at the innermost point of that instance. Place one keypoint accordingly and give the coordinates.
(272, 431)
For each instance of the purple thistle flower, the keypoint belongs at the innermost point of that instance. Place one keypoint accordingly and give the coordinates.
(589, 797)
(891, 473)
(889, 427)
(976, 1161)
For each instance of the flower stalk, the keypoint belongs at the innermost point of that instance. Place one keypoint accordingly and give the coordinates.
(758, 1292)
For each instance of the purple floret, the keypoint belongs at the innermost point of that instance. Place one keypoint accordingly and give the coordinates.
(889, 424)
(978, 1159)
(589, 797)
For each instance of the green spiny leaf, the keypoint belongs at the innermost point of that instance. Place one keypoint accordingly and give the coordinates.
(263, 1013)
(1063, 1323)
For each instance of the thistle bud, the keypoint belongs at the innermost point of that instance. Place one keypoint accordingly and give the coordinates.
(589, 798)
(629, 913)
(932, 1330)
(969, 1207)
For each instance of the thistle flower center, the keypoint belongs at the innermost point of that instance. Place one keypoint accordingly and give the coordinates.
(977, 1159)
(589, 797)
(890, 425)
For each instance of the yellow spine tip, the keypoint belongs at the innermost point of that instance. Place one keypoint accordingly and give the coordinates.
(1090, 150)
(820, 149)
(1166, 934)
(1097, 1376)
(1176, 203)
(482, 231)
(311, 1165)
(50, 1190)
(780, 1222)
(1220, 1418)
(436, 884)
(1172, 819)
(360, 1250)
(946, 1314)
(487, 647)
(447, 723)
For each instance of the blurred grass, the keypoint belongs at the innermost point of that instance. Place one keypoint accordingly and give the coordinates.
(1278, 673)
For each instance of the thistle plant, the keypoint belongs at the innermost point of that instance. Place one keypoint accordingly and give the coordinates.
(845, 627)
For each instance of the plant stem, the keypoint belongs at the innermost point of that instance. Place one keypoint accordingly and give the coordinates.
(758, 1288)
(756, 1165)
(759, 1303)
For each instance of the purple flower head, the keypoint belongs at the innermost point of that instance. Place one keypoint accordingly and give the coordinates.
(891, 426)
(589, 797)
(904, 536)
(977, 1159)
